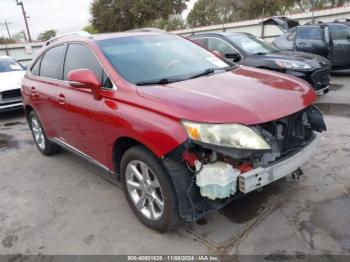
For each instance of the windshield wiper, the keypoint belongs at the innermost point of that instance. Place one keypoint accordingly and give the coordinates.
(162, 81)
(211, 71)
(260, 53)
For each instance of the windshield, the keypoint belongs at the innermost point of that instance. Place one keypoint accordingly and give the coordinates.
(252, 45)
(9, 65)
(147, 58)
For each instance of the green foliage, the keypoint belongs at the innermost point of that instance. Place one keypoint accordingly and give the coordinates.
(44, 36)
(6, 41)
(209, 12)
(121, 15)
(171, 24)
(90, 29)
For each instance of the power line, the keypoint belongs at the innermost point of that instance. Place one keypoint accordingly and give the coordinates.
(25, 18)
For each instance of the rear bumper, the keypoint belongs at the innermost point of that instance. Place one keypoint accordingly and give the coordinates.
(263, 176)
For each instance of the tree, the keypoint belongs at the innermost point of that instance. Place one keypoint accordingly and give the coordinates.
(121, 15)
(90, 29)
(209, 12)
(173, 23)
(204, 12)
(44, 36)
(6, 41)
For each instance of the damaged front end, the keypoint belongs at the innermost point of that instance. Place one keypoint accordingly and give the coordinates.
(216, 169)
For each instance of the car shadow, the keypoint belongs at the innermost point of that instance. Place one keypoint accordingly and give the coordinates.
(11, 115)
(341, 73)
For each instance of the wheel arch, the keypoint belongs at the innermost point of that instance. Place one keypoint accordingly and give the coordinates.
(120, 146)
(27, 110)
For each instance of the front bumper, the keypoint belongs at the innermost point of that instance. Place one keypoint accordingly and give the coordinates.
(319, 79)
(11, 106)
(263, 176)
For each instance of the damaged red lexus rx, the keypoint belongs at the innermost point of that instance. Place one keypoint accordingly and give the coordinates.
(184, 132)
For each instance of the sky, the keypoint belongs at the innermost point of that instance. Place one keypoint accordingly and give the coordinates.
(62, 15)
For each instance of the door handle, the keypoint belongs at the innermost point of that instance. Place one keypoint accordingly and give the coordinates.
(61, 99)
(33, 91)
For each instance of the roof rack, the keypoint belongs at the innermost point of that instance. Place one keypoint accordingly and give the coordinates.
(147, 29)
(342, 20)
(314, 23)
(79, 33)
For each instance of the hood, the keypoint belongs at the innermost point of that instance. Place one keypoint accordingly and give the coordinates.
(315, 61)
(11, 80)
(244, 95)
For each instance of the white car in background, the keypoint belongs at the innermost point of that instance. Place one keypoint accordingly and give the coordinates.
(11, 74)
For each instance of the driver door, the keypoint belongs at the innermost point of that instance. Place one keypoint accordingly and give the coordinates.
(80, 115)
(311, 39)
(340, 36)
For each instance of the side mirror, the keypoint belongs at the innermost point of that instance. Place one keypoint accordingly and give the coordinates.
(234, 56)
(85, 78)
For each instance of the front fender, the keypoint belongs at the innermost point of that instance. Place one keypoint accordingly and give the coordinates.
(159, 133)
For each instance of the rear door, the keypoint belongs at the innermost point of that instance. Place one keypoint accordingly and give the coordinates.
(340, 38)
(311, 39)
(80, 115)
(40, 86)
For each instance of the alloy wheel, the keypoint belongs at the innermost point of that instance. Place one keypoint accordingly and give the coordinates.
(144, 190)
(38, 133)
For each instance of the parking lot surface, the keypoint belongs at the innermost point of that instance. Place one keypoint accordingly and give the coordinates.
(62, 204)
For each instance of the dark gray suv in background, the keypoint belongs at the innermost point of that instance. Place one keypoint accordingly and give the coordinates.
(330, 40)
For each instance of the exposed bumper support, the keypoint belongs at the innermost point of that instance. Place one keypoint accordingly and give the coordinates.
(260, 177)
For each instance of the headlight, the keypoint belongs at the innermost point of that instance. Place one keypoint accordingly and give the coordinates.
(293, 64)
(228, 135)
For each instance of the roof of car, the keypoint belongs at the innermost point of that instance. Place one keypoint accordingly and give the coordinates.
(224, 34)
(123, 34)
(82, 35)
(4, 56)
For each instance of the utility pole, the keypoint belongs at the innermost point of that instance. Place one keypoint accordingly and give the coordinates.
(7, 28)
(313, 10)
(25, 19)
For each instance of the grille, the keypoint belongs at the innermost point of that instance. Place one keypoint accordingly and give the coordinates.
(321, 77)
(11, 94)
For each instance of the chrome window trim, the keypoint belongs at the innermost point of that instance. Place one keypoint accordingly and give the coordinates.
(115, 88)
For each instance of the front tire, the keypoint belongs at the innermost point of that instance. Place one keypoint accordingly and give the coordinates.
(40, 137)
(148, 189)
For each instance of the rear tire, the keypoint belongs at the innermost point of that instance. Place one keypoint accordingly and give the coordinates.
(148, 189)
(39, 135)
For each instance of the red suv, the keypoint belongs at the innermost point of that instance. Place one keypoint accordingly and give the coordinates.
(184, 132)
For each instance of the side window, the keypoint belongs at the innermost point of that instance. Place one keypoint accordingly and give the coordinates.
(309, 33)
(36, 67)
(201, 41)
(291, 36)
(340, 33)
(216, 44)
(51, 62)
(80, 57)
(106, 82)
